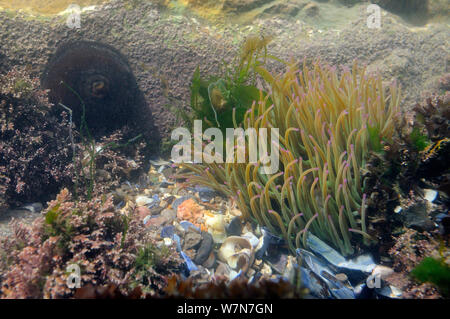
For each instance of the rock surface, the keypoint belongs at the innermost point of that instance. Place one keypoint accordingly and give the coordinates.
(164, 47)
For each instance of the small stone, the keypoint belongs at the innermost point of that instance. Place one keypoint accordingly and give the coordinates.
(190, 253)
(169, 199)
(165, 184)
(382, 271)
(143, 200)
(192, 240)
(156, 222)
(279, 263)
(266, 271)
(169, 214)
(341, 277)
(234, 228)
(142, 212)
(416, 216)
(156, 210)
(34, 207)
(222, 270)
(168, 241)
(209, 263)
(163, 204)
(205, 194)
(205, 248)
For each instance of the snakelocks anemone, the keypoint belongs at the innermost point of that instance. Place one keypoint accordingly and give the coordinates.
(328, 123)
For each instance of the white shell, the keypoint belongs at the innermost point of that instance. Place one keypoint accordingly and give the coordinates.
(252, 238)
(216, 227)
(430, 195)
(237, 252)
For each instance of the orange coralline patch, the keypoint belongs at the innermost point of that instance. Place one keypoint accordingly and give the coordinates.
(190, 211)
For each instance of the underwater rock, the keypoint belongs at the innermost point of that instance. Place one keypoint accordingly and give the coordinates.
(416, 216)
(34, 207)
(234, 228)
(142, 212)
(192, 240)
(430, 195)
(210, 261)
(205, 193)
(155, 222)
(382, 271)
(169, 214)
(98, 76)
(278, 263)
(144, 201)
(444, 223)
(205, 249)
(187, 226)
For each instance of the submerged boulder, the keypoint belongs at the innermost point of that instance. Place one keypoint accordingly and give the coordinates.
(97, 83)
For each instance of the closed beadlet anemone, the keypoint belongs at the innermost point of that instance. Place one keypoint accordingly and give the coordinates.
(102, 78)
(327, 124)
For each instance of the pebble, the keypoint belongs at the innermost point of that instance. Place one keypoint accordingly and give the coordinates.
(205, 248)
(156, 210)
(142, 212)
(266, 270)
(34, 207)
(209, 263)
(156, 222)
(341, 277)
(382, 271)
(169, 214)
(177, 202)
(168, 241)
(222, 270)
(192, 240)
(234, 228)
(144, 200)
